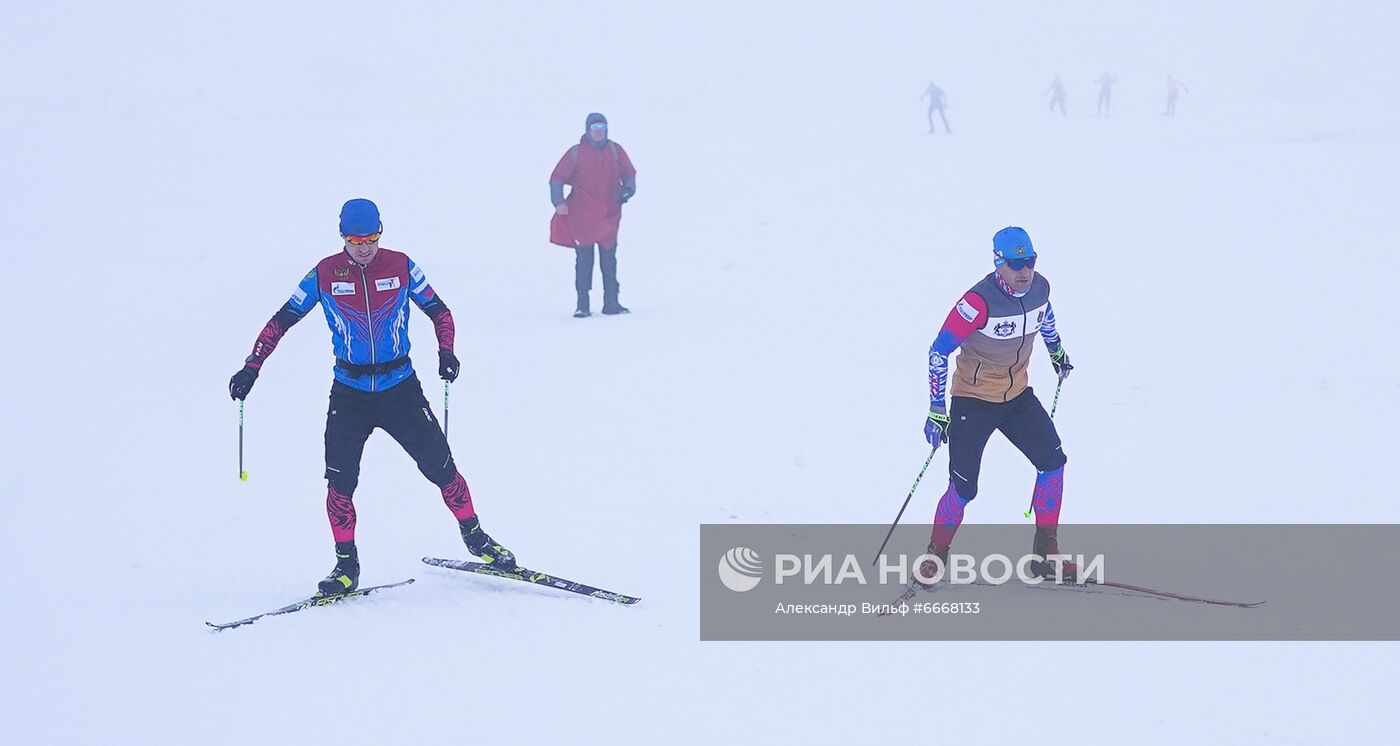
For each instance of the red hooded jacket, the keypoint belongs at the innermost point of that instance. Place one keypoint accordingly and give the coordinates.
(595, 202)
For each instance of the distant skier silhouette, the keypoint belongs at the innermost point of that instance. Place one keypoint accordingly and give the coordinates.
(1174, 87)
(1057, 95)
(937, 101)
(1105, 84)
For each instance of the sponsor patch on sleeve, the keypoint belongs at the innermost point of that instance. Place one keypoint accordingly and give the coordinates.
(966, 310)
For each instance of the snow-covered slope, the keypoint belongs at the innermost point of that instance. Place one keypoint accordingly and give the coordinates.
(1221, 281)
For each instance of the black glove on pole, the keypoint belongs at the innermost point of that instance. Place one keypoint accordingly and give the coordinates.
(242, 383)
(449, 367)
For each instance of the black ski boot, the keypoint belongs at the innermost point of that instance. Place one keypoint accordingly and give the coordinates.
(610, 284)
(610, 305)
(582, 311)
(482, 545)
(345, 577)
(1045, 544)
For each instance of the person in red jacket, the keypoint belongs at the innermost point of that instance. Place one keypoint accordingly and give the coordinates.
(602, 179)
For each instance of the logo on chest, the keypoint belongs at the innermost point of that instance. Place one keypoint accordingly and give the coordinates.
(1004, 329)
(342, 272)
(342, 288)
(388, 283)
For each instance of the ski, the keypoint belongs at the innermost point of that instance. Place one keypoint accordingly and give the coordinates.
(1105, 587)
(531, 576)
(316, 600)
(1176, 596)
(1109, 587)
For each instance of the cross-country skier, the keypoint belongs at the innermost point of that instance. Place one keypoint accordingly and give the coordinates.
(937, 101)
(1105, 84)
(995, 324)
(1057, 95)
(601, 180)
(364, 291)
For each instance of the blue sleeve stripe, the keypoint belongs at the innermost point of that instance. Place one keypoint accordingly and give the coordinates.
(1048, 331)
(943, 346)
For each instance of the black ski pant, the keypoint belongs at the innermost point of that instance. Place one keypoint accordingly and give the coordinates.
(1022, 420)
(401, 411)
(583, 270)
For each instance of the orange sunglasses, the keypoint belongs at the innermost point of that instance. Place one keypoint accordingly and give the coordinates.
(363, 239)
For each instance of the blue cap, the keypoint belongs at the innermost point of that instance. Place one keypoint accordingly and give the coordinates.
(594, 117)
(1012, 243)
(359, 217)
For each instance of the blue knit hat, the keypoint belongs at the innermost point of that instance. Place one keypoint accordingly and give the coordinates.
(1011, 243)
(594, 117)
(359, 217)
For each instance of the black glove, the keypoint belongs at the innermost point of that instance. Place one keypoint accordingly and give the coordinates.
(1060, 359)
(448, 365)
(242, 383)
(626, 195)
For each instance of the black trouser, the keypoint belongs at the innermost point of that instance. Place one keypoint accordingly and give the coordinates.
(1022, 420)
(583, 270)
(401, 411)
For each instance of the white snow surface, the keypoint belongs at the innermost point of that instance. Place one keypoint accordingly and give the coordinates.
(1223, 281)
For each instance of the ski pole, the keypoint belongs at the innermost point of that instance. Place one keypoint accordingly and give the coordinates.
(242, 475)
(446, 413)
(1053, 405)
(905, 505)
